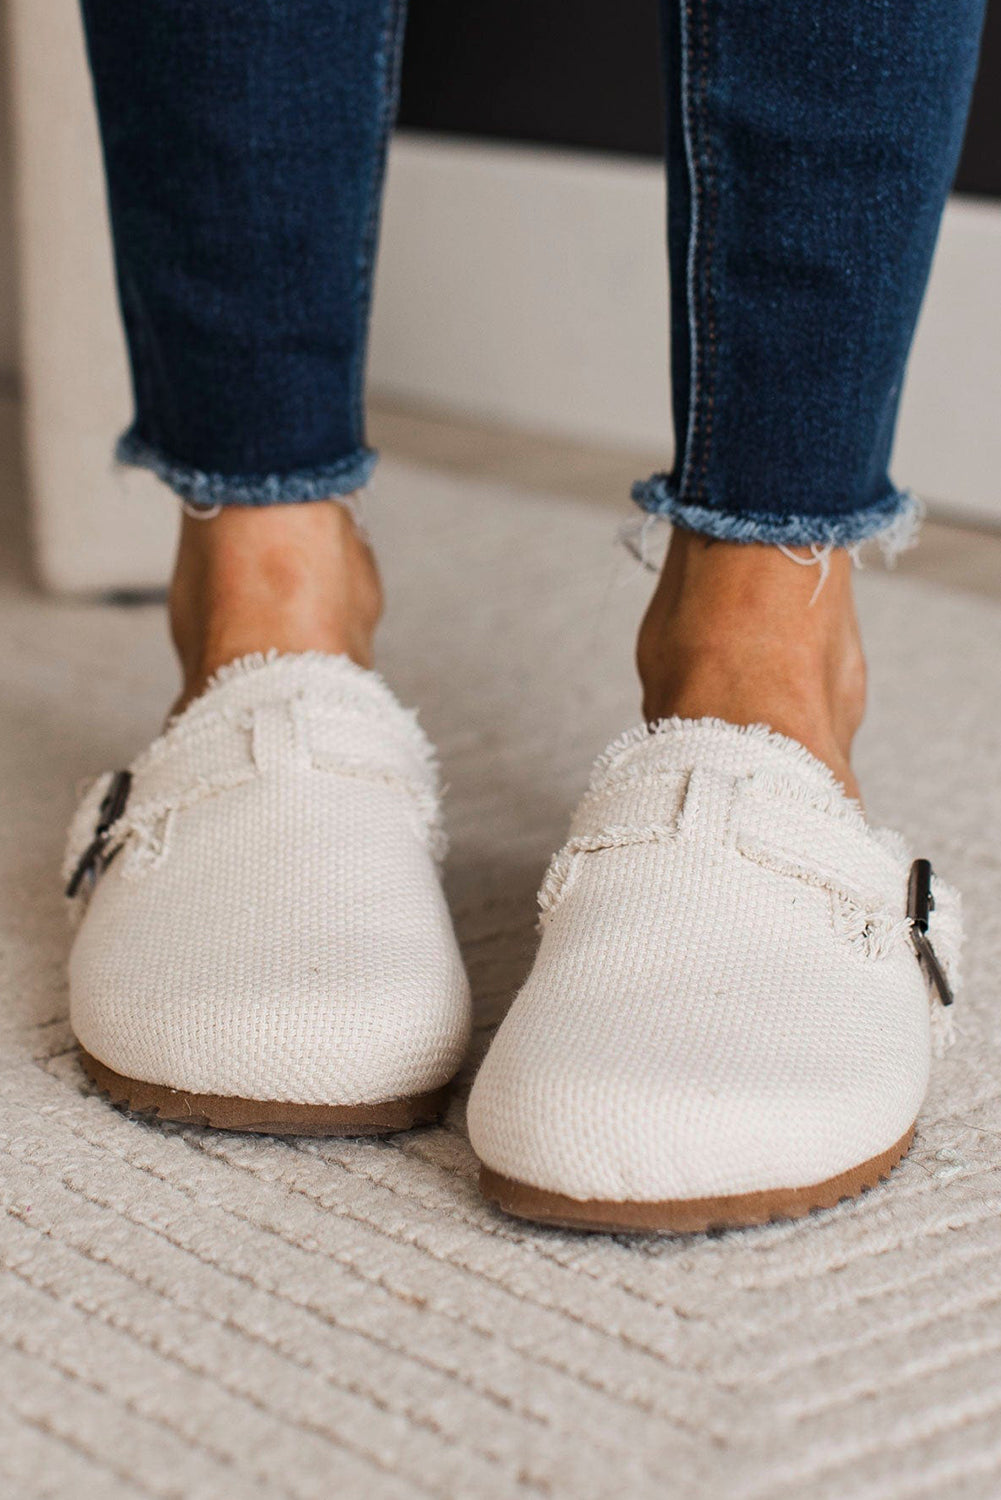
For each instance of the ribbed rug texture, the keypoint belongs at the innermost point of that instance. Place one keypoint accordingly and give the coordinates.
(191, 1316)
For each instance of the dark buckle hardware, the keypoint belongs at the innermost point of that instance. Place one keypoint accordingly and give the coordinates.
(93, 860)
(920, 904)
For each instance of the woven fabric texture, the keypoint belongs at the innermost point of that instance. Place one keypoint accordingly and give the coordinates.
(726, 998)
(270, 923)
(195, 1317)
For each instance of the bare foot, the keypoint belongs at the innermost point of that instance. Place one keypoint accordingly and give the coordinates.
(740, 632)
(292, 577)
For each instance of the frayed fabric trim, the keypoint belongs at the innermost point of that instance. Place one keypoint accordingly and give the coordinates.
(893, 522)
(699, 738)
(721, 730)
(206, 491)
(332, 684)
(328, 678)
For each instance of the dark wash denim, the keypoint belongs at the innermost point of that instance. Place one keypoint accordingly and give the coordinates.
(244, 144)
(810, 148)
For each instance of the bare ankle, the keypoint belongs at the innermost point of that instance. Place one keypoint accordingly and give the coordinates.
(742, 633)
(291, 577)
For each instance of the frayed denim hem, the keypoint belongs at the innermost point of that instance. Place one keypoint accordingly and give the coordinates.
(207, 491)
(892, 522)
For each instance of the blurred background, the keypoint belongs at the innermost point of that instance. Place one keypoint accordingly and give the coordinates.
(521, 285)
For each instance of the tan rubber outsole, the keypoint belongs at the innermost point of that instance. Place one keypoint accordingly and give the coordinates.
(687, 1215)
(262, 1116)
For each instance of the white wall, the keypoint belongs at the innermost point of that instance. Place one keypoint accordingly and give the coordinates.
(8, 348)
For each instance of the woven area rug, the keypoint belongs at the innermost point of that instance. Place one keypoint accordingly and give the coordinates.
(210, 1318)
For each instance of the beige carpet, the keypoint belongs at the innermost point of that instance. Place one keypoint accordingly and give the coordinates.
(209, 1318)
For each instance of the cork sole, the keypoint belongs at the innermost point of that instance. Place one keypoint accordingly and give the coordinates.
(262, 1116)
(687, 1215)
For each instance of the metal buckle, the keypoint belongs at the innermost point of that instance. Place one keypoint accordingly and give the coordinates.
(93, 859)
(920, 904)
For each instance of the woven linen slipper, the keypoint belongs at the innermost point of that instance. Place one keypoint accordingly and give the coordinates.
(734, 1003)
(264, 942)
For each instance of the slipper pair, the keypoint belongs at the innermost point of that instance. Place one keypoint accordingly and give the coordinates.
(738, 990)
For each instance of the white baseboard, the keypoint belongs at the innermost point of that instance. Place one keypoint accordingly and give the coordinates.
(529, 287)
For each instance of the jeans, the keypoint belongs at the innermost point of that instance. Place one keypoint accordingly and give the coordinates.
(810, 149)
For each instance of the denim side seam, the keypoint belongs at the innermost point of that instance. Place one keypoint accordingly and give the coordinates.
(892, 521)
(703, 194)
(206, 490)
(389, 62)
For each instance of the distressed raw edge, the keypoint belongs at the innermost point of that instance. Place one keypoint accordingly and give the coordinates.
(872, 931)
(206, 490)
(804, 760)
(617, 836)
(946, 925)
(892, 525)
(202, 711)
(356, 686)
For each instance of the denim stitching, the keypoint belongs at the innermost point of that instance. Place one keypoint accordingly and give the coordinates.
(388, 61)
(706, 417)
(693, 240)
(701, 246)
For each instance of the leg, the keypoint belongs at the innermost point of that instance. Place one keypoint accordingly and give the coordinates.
(244, 147)
(729, 1019)
(809, 156)
(264, 944)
